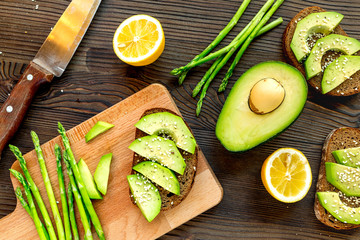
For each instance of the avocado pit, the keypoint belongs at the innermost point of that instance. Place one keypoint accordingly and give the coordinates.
(266, 96)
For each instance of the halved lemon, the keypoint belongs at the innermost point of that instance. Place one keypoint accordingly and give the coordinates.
(139, 40)
(286, 175)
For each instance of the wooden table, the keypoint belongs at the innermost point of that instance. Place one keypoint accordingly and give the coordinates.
(96, 79)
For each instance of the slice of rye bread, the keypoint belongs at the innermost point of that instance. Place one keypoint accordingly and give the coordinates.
(170, 200)
(349, 87)
(340, 138)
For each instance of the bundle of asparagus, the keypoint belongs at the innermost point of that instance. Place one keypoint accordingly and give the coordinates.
(255, 27)
(68, 229)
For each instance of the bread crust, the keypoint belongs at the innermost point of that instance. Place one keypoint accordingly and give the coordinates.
(340, 138)
(170, 200)
(347, 88)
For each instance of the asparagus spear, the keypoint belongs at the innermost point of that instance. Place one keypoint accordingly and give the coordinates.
(219, 37)
(78, 199)
(240, 53)
(269, 26)
(239, 39)
(64, 205)
(72, 214)
(90, 208)
(242, 50)
(32, 210)
(25, 205)
(35, 191)
(263, 30)
(48, 187)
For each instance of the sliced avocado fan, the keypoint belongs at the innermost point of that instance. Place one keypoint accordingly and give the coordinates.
(161, 150)
(168, 124)
(321, 22)
(335, 42)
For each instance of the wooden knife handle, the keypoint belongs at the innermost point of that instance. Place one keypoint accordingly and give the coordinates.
(14, 109)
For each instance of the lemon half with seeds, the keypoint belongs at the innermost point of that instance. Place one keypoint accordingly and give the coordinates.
(139, 40)
(286, 175)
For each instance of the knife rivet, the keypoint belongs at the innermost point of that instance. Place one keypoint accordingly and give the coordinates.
(9, 109)
(29, 77)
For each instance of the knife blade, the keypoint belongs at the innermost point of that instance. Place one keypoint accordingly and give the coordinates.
(51, 60)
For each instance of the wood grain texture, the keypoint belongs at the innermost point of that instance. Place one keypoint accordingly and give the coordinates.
(95, 80)
(120, 218)
(15, 107)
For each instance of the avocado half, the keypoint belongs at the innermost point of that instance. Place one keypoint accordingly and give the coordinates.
(239, 128)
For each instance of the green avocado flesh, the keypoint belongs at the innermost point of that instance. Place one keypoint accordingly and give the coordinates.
(101, 175)
(238, 128)
(334, 42)
(344, 178)
(349, 157)
(160, 175)
(146, 195)
(338, 71)
(97, 129)
(161, 150)
(322, 22)
(333, 204)
(88, 180)
(170, 124)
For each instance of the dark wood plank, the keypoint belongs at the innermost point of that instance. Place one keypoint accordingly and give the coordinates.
(95, 79)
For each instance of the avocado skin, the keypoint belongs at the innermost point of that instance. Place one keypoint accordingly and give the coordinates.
(262, 74)
(333, 204)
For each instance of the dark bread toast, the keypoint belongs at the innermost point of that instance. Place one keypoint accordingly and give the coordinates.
(340, 138)
(349, 87)
(170, 200)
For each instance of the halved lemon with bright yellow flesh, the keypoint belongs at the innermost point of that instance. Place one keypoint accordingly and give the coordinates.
(139, 40)
(286, 175)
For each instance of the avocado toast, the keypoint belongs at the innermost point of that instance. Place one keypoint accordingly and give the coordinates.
(185, 180)
(350, 86)
(341, 138)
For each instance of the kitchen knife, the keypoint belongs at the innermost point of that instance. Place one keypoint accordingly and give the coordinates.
(51, 60)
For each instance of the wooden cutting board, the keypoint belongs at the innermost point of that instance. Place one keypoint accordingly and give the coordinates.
(119, 217)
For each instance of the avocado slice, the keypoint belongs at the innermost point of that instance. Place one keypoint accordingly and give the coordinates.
(161, 150)
(333, 204)
(239, 128)
(338, 71)
(160, 175)
(97, 129)
(146, 196)
(322, 22)
(167, 123)
(335, 42)
(88, 180)
(349, 157)
(343, 178)
(101, 175)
